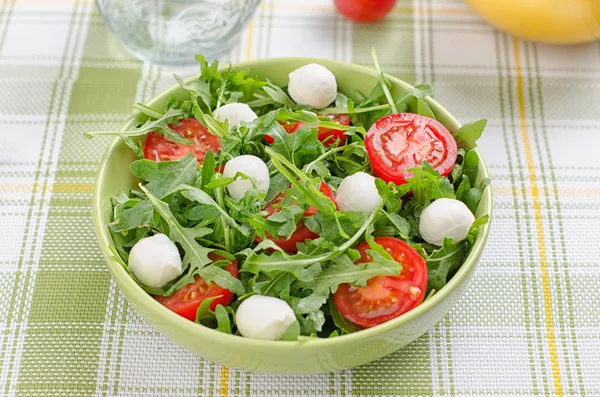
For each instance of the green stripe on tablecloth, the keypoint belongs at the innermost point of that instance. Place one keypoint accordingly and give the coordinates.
(565, 300)
(74, 300)
(393, 38)
(506, 109)
(47, 346)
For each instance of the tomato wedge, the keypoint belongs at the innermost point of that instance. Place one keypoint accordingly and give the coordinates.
(326, 135)
(185, 301)
(401, 141)
(384, 297)
(159, 148)
(302, 233)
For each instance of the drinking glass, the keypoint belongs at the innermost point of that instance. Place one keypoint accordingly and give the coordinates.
(171, 32)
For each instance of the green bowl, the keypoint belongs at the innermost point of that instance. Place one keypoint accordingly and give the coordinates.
(305, 356)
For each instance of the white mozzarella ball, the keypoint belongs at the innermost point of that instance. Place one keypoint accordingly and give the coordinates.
(358, 192)
(250, 166)
(445, 218)
(264, 317)
(155, 260)
(235, 113)
(313, 85)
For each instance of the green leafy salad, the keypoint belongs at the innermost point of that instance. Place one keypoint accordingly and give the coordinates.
(272, 211)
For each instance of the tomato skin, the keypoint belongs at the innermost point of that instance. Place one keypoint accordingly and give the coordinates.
(365, 10)
(185, 301)
(302, 233)
(159, 148)
(384, 297)
(326, 135)
(400, 141)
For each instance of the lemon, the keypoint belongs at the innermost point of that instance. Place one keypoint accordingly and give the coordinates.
(549, 21)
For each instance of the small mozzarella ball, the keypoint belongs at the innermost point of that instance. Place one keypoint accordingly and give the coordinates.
(155, 260)
(250, 166)
(358, 192)
(235, 113)
(313, 85)
(264, 317)
(445, 218)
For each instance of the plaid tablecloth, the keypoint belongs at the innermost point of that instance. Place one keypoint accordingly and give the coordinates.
(530, 321)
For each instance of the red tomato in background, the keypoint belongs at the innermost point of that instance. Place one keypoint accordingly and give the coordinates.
(302, 233)
(159, 148)
(325, 135)
(365, 10)
(187, 300)
(384, 297)
(402, 141)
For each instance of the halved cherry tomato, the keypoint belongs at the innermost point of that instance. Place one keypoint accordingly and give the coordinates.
(185, 301)
(302, 233)
(402, 141)
(159, 148)
(384, 297)
(326, 135)
(364, 10)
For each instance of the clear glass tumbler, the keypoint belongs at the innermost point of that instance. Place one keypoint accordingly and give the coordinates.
(171, 32)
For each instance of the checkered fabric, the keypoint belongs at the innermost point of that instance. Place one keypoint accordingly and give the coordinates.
(529, 323)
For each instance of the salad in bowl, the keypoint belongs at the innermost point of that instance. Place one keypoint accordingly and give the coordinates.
(293, 212)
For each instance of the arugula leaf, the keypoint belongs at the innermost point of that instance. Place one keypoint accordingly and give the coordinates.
(292, 332)
(195, 254)
(160, 126)
(300, 180)
(207, 171)
(467, 135)
(163, 176)
(475, 226)
(471, 166)
(427, 184)
(278, 95)
(223, 322)
(204, 313)
(200, 196)
(456, 173)
(198, 89)
(280, 261)
(340, 321)
(137, 216)
(343, 270)
(400, 223)
(133, 145)
(392, 198)
(222, 278)
(442, 261)
(474, 195)
(312, 323)
(277, 286)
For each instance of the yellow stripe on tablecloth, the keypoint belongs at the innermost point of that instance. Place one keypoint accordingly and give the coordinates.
(535, 193)
(249, 42)
(224, 381)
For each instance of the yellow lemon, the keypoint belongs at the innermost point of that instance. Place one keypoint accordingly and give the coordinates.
(550, 21)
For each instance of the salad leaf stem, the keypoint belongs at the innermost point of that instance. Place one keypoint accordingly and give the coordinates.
(383, 82)
(281, 261)
(308, 167)
(219, 199)
(354, 111)
(147, 110)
